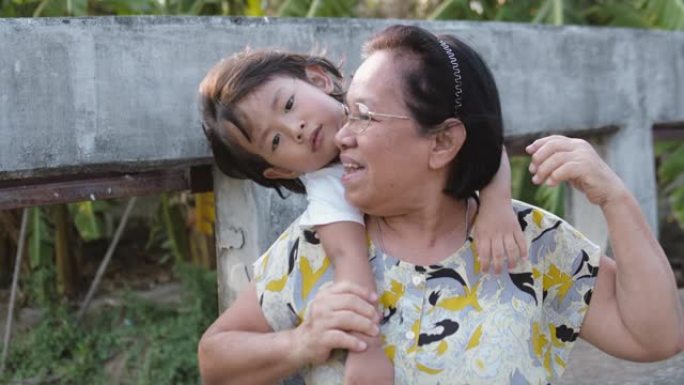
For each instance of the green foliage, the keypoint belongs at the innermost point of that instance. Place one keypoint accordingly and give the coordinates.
(551, 199)
(41, 282)
(670, 155)
(318, 8)
(168, 232)
(454, 9)
(89, 219)
(667, 14)
(153, 344)
(53, 8)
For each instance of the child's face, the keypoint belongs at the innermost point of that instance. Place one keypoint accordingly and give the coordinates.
(292, 124)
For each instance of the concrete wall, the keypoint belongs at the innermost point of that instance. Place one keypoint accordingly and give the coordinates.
(101, 94)
(102, 91)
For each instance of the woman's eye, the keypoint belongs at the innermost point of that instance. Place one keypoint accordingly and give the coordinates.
(364, 112)
(289, 103)
(275, 142)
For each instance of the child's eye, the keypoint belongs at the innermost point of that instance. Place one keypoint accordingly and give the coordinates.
(289, 103)
(275, 142)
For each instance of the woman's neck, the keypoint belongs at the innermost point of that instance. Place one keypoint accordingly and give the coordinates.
(425, 235)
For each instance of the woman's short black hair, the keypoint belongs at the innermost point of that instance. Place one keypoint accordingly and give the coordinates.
(429, 93)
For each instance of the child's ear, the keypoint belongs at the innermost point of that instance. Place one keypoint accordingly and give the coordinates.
(446, 143)
(280, 173)
(320, 78)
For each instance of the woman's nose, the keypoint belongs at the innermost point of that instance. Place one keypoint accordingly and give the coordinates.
(345, 138)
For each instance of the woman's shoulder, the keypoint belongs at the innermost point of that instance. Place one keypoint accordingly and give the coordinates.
(534, 220)
(549, 232)
(288, 274)
(292, 242)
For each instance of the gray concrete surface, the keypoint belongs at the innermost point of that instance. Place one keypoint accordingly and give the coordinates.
(98, 91)
(118, 93)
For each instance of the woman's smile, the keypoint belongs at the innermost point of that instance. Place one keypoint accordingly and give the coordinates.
(353, 170)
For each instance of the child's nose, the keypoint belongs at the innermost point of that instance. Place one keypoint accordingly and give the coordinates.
(297, 130)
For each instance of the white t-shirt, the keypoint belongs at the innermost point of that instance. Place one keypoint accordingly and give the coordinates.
(325, 194)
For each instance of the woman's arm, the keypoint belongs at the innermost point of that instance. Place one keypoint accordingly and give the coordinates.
(635, 311)
(497, 232)
(241, 348)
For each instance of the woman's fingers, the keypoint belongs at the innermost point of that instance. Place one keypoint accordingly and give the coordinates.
(337, 339)
(547, 148)
(350, 321)
(353, 303)
(349, 287)
(545, 169)
(337, 311)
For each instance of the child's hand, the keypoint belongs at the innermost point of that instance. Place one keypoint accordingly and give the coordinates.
(498, 236)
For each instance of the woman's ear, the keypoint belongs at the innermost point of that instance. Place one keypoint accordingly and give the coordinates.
(320, 78)
(446, 143)
(280, 173)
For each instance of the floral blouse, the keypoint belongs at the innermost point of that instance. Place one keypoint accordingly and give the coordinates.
(450, 323)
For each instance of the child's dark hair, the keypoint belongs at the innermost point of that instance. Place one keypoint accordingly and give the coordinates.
(428, 88)
(231, 80)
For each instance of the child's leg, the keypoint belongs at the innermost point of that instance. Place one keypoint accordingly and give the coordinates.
(347, 247)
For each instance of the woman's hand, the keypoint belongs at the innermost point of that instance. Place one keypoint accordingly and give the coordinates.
(558, 158)
(337, 311)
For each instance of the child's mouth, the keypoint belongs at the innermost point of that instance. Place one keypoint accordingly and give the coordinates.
(316, 139)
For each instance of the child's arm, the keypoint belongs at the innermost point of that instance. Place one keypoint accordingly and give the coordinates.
(347, 247)
(497, 231)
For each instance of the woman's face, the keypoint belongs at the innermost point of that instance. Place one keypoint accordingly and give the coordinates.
(386, 166)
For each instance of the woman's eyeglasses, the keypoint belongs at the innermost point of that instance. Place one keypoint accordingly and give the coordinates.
(360, 122)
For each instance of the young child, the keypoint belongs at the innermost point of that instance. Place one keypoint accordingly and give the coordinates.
(272, 117)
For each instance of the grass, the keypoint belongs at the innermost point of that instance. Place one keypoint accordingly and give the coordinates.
(137, 343)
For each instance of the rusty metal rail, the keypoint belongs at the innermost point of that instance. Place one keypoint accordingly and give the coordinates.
(74, 188)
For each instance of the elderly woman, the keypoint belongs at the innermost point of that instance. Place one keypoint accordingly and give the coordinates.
(424, 133)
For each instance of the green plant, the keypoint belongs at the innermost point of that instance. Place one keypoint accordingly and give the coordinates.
(549, 198)
(318, 8)
(670, 155)
(41, 280)
(151, 343)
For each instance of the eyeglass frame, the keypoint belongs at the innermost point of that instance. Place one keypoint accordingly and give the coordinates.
(364, 110)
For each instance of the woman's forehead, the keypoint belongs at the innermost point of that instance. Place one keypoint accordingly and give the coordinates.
(376, 80)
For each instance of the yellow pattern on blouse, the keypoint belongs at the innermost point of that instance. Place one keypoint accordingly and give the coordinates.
(449, 324)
